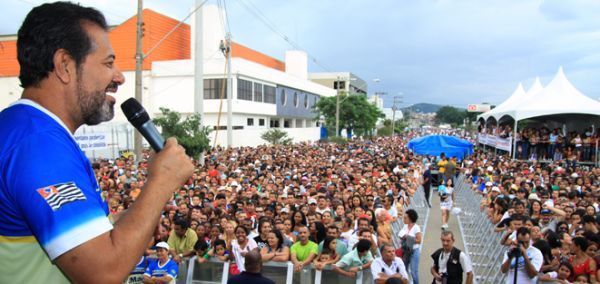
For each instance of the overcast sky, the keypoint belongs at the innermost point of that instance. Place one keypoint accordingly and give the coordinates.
(436, 51)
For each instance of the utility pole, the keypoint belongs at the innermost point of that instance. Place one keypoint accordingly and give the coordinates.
(397, 100)
(198, 69)
(337, 107)
(229, 93)
(139, 57)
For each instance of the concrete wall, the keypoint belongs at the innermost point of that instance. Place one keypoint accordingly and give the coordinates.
(251, 137)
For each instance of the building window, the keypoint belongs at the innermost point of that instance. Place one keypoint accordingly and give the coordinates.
(295, 99)
(305, 100)
(274, 123)
(283, 97)
(261, 122)
(258, 92)
(250, 122)
(269, 94)
(214, 88)
(244, 90)
(286, 123)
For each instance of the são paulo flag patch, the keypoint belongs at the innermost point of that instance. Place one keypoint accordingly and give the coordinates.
(60, 194)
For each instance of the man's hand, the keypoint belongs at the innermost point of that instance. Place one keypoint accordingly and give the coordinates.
(353, 269)
(170, 167)
(298, 267)
(177, 259)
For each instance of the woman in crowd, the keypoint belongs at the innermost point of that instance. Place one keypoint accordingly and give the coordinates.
(241, 245)
(298, 218)
(317, 232)
(384, 227)
(535, 208)
(328, 255)
(229, 234)
(446, 202)
(581, 262)
(275, 250)
(264, 228)
(411, 234)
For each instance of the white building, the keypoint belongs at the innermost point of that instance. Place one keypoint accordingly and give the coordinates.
(266, 93)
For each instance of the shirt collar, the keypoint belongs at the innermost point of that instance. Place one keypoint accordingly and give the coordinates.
(37, 106)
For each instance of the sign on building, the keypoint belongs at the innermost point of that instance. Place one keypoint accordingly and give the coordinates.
(478, 108)
(92, 141)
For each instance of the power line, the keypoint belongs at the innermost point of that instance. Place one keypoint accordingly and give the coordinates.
(261, 17)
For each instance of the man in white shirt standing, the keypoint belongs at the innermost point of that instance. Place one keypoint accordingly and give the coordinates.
(527, 267)
(388, 266)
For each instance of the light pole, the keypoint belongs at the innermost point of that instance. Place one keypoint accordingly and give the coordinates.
(397, 99)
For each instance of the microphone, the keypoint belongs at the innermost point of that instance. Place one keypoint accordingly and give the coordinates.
(138, 117)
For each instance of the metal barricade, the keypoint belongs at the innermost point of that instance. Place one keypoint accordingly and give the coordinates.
(214, 271)
(482, 244)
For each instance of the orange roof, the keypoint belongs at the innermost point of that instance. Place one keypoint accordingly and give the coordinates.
(238, 50)
(156, 26)
(122, 37)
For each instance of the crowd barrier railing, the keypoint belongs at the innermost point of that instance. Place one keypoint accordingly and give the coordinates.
(214, 271)
(482, 244)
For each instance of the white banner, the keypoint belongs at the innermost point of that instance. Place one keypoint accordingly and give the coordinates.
(92, 141)
(495, 141)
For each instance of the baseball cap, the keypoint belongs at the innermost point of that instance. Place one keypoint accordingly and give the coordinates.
(234, 183)
(489, 183)
(534, 196)
(496, 189)
(163, 245)
(312, 201)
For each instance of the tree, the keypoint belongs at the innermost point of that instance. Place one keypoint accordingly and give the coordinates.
(189, 133)
(276, 137)
(450, 115)
(356, 112)
(386, 130)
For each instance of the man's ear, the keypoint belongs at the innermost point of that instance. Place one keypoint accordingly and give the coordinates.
(64, 66)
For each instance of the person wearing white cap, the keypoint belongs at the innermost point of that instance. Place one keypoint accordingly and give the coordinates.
(164, 269)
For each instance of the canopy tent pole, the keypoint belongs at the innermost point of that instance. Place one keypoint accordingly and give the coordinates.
(514, 141)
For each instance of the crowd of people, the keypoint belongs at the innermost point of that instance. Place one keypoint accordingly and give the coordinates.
(550, 144)
(314, 204)
(332, 205)
(548, 212)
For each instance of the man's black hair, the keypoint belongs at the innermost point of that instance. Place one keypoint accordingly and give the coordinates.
(200, 245)
(363, 245)
(48, 28)
(183, 223)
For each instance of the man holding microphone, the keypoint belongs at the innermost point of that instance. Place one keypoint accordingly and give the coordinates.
(53, 221)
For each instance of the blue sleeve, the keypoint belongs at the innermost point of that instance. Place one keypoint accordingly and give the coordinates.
(173, 269)
(52, 185)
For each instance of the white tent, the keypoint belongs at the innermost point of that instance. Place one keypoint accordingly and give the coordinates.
(513, 101)
(559, 97)
(517, 95)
